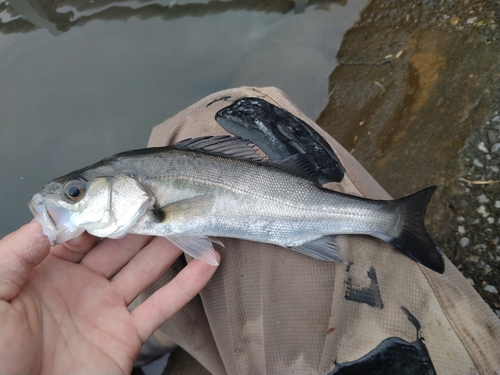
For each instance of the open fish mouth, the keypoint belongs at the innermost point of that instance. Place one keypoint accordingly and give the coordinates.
(41, 210)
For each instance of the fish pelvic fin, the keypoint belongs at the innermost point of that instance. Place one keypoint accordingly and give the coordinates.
(413, 239)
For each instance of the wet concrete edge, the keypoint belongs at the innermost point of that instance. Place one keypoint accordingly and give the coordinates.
(416, 99)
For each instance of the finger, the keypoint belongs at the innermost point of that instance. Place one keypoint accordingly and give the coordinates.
(20, 252)
(109, 255)
(145, 268)
(168, 300)
(75, 249)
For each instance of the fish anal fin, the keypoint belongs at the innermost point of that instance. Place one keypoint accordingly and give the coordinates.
(324, 248)
(196, 247)
(185, 209)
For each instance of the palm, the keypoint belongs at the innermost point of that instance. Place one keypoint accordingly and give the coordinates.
(68, 317)
(83, 317)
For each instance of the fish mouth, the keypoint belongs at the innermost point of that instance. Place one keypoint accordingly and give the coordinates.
(39, 210)
(55, 220)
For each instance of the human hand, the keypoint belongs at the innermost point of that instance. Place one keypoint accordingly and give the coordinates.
(60, 312)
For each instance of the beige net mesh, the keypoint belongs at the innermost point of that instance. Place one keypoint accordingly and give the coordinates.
(269, 310)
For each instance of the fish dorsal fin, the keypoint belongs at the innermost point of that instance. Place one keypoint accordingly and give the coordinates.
(299, 165)
(224, 145)
(240, 148)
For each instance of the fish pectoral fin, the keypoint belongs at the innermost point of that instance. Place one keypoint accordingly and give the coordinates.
(185, 209)
(324, 248)
(197, 247)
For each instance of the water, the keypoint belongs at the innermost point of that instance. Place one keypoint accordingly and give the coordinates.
(77, 87)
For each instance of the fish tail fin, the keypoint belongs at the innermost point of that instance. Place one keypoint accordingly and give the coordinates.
(413, 239)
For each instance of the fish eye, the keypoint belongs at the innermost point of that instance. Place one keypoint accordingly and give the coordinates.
(74, 190)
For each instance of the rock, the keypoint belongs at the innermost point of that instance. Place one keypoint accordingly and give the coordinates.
(464, 241)
(482, 147)
(483, 199)
(492, 137)
(471, 20)
(485, 266)
(491, 289)
(473, 258)
(482, 210)
(477, 163)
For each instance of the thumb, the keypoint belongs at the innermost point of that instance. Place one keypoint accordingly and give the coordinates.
(20, 252)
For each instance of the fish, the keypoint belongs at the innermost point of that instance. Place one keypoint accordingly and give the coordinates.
(278, 133)
(201, 189)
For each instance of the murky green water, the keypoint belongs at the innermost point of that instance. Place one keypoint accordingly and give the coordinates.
(76, 87)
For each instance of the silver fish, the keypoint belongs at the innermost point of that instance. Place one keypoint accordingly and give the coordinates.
(203, 188)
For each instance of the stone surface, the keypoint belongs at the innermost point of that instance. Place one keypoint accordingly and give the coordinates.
(416, 100)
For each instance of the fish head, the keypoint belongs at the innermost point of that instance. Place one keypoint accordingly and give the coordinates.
(104, 206)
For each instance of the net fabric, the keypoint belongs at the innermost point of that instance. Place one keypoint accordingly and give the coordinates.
(269, 310)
